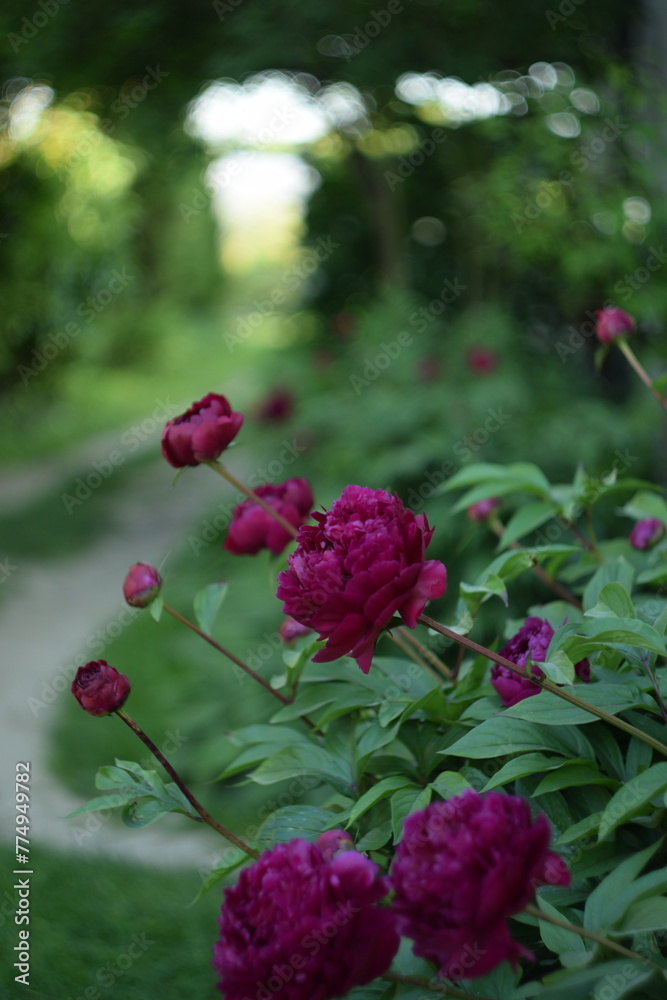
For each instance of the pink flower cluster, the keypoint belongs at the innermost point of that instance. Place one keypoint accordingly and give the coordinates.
(530, 643)
(253, 529)
(303, 922)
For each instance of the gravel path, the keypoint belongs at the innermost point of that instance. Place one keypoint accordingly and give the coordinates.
(51, 608)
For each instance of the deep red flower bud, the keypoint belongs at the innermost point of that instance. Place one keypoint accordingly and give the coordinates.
(462, 867)
(334, 842)
(99, 688)
(482, 509)
(276, 407)
(252, 528)
(141, 585)
(612, 323)
(646, 533)
(201, 433)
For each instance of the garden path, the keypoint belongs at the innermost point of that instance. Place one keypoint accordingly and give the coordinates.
(49, 610)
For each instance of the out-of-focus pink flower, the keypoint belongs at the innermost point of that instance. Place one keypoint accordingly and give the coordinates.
(99, 688)
(481, 360)
(290, 630)
(530, 643)
(301, 926)
(361, 564)
(646, 533)
(429, 368)
(253, 529)
(464, 866)
(612, 323)
(482, 509)
(201, 433)
(276, 407)
(334, 842)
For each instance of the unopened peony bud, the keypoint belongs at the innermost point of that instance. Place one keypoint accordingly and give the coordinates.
(612, 323)
(99, 688)
(141, 585)
(334, 842)
(646, 533)
(291, 630)
(482, 509)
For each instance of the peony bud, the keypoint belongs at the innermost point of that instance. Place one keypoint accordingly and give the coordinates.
(646, 533)
(141, 585)
(99, 688)
(612, 323)
(291, 630)
(334, 842)
(481, 360)
(482, 509)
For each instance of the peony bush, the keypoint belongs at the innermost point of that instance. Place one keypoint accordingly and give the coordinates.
(476, 823)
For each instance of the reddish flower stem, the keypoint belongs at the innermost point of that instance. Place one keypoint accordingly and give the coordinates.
(226, 474)
(197, 806)
(640, 370)
(498, 528)
(425, 652)
(399, 641)
(225, 652)
(543, 683)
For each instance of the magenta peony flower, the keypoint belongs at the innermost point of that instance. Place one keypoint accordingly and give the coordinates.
(359, 566)
(298, 926)
(480, 511)
(646, 533)
(530, 643)
(290, 630)
(253, 529)
(201, 433)
(99, 688)
(612, 323)
(141, 585)
(464, 866)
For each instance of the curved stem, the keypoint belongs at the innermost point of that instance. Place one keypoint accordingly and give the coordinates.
(226, 474)
(600, 939)
(225, 652)
(640, 370)
(433, 985)
(543, 683)
(207, 818)
(498, 529)
(425, 652)
(399, 641)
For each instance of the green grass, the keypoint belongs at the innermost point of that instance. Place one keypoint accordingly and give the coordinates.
(86, 912)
